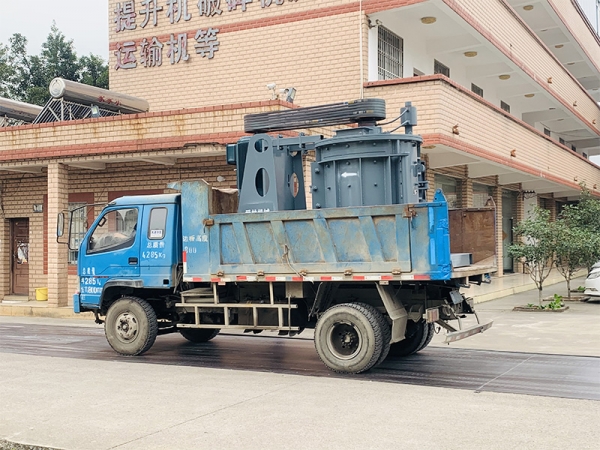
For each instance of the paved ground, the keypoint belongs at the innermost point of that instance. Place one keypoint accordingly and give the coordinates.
(72, 403)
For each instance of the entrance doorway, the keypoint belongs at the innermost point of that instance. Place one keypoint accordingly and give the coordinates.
(19, 238)
(509, 208)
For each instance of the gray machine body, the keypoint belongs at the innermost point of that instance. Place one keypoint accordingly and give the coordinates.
(361, 166)
(364, 166)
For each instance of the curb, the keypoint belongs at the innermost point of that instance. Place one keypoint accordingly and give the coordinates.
(62, 312)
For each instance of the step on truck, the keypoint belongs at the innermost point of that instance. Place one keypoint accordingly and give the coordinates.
(372, 267)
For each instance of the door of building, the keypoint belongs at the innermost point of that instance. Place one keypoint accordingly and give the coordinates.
(509, 208)
(19, 233)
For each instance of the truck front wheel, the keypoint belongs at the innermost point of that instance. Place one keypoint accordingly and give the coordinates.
(418, 336)
(348, 337)
(198, 335)
(131, 326)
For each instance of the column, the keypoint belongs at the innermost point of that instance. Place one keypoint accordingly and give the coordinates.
(5, 258)
(58, 201)
(499, 249)
(466, 193)
(520, 216)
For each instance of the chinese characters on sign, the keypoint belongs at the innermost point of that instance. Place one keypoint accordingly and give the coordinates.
(149, 51)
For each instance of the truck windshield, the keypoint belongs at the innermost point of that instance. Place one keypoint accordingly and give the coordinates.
(115, 230)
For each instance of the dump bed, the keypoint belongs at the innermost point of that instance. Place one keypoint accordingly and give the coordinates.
(392, 242)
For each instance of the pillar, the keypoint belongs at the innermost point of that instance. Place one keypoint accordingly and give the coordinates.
(466, 193)
(499, 250)
(58, 201)
(520, 216)
(5, 257)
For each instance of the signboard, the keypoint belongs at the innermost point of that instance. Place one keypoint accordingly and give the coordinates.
(152, 51)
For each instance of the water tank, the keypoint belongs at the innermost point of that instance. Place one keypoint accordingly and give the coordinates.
(85, 94)
(18, 110)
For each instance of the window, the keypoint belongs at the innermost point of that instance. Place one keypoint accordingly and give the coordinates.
(417, 72)
(449, 186)
(573, 148)
(476, 89)
(78, 218)
(547, 132)
(584, 155)
(389, 54)
(505, 106)
(481, 193)
(116, 230)
(158, 223)
(561, 141)
(438, 67)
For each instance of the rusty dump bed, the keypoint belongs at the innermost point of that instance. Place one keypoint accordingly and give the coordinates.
(392, 242)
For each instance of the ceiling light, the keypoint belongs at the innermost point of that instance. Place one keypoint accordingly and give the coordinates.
(504, 77)
(470, 54)
(559, 46)
(428, 20)
(528, 7)
(529, 95)
(570, 64)
(551, 109)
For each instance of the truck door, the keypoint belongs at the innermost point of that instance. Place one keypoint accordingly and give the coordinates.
(158, 245)
(111, 251)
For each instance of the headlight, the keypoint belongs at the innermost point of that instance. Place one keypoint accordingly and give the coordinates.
(595, 274)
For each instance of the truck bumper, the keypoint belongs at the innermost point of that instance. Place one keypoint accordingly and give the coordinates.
(76, 303)
(462, 334)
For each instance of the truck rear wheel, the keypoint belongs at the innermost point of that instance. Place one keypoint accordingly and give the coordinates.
(131, 326)
(417, 338)
(198, 335)
(348, 337)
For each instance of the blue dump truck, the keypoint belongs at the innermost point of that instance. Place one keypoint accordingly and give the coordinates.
(372, 267)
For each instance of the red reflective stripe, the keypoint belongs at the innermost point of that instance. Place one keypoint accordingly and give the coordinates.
(358, 277)
(270, 279)
(297, 279)
(197, 279)
(184, 256)
(215, 280)
(325, 278)
(241, 278)
(387, 277)
(421, 277)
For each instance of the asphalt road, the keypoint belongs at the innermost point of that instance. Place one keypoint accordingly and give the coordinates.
(565, 376)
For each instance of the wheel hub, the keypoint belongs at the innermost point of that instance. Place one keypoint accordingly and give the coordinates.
(127, 327)
(344, 340)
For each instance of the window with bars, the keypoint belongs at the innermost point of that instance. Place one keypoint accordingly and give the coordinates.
(438, 67)
(390, 49)
(505, 106)
(476, 89)
(78, 228)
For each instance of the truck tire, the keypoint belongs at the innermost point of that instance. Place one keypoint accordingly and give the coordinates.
(131, 326)
(348, 337)
(199, 335)
(386, 333)
(430, 335)
(417, 335)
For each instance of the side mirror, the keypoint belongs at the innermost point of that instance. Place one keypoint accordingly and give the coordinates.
(60, 225)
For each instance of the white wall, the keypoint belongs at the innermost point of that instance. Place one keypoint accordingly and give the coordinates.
(418, 56)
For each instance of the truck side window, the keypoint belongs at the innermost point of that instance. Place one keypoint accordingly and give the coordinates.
(115, 230)
(158, 223)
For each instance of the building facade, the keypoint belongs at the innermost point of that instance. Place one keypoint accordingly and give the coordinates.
(507, 94)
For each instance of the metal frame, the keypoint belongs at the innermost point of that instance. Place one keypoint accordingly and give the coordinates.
(191, 301)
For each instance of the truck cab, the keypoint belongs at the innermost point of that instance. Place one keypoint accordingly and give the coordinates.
(134, 244)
